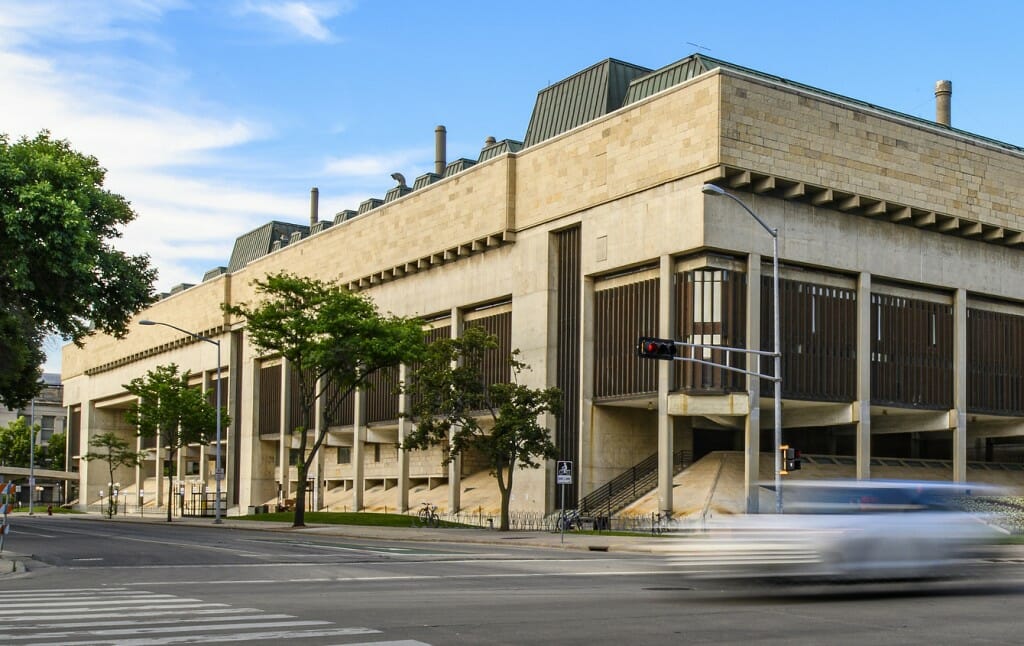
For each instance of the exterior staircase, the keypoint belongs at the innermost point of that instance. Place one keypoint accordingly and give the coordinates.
(628, 486)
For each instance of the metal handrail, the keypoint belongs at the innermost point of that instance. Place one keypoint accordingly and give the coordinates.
(630, 485)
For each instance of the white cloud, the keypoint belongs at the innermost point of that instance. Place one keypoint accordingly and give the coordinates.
(371, 165)
(306, 18)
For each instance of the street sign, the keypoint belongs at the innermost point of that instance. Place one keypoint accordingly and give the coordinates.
(563, 474)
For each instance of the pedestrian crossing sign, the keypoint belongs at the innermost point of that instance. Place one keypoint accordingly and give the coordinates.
(563, 474)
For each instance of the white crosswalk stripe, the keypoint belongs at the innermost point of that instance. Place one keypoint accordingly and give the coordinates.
(123, 617)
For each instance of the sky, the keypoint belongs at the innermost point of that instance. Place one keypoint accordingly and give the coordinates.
(213, 117)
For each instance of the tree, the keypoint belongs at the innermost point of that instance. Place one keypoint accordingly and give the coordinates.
(333, 340)
(451, 399)
(117, 453)
(15, 444)
(57, 451)
(58, 272)
(173, 412)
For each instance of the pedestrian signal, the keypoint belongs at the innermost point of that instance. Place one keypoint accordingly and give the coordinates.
(790, 459)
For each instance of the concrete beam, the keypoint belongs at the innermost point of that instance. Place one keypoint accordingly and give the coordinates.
(915, 422)
(710, 405)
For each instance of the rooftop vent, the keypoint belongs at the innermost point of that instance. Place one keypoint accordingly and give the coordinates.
(458, 166)
(440, 149)
(498, 148)
(320, 226)
(314, 205)
(369, 204)
(943, 98)
(213, 273)
(342, 216)
(396, 192)
(426, 179)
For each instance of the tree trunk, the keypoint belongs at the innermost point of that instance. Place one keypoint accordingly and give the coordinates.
(300, 495)
(506, 497)
(170, 494)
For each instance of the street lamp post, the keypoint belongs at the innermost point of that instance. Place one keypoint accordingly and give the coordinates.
(217, 474)
(31, 455)
(711, 189)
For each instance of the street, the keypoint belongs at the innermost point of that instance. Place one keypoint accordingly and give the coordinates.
(91, 581)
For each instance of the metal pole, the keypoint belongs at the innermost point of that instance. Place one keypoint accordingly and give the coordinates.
(778, 375)
(562, 515)
(712, 189)
(31, 454)
(217, 475)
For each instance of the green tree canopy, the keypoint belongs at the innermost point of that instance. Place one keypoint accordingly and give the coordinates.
(453, 404)
(59, 273)
(15, 443)
(173, 412)
(333, 339)
(57, 451)
(117, 453)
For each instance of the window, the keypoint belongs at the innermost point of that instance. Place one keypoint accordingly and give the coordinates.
(46, 427)
(376, 452)
(344, 455)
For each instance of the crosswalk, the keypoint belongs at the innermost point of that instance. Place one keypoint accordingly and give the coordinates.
(117, 616)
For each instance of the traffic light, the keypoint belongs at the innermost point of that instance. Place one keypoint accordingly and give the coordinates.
(790, 458)
(652, 348)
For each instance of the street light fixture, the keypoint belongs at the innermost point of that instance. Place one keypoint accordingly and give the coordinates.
(711, 189)
(217, 474)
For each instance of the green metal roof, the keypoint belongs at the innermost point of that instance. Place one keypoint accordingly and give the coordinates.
(666, 77)
(500, 148)
(258, 242)
(582, 97)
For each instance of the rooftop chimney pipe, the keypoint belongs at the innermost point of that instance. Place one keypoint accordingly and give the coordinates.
(314, 206)
(439, 150)
(943, 94)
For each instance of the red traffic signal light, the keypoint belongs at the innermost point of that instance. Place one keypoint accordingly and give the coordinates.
(654, 348)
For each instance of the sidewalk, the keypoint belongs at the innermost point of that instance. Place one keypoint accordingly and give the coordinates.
(13, 563)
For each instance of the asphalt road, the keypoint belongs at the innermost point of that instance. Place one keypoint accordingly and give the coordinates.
(97, 582)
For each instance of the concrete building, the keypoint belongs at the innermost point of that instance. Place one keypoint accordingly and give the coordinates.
(902, 312)
(48, 412)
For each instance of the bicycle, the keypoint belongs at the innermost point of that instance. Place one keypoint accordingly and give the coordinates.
(661, 522)
(569, 520)
(427, 516)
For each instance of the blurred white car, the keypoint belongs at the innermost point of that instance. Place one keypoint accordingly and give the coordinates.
(846, 530)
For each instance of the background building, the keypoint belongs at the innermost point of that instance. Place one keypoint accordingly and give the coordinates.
(48, 411)
(901, 306)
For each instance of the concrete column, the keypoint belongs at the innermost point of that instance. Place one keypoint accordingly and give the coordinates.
(284, 444)
(232, 449)
(960, 385)
(358, 449)
(319, 466)
(585, 470)
(205, 451)
(404, 428)
(752, 424)
(666, 329)
(862, 412)
(455, 467)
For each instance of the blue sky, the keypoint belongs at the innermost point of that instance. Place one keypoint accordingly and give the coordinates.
(213, 117)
